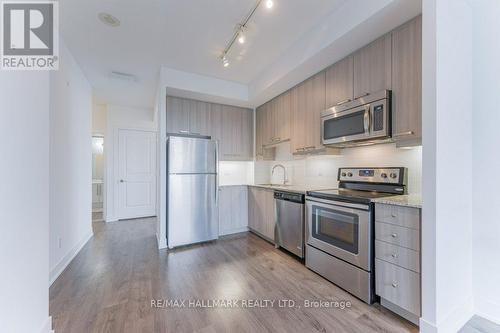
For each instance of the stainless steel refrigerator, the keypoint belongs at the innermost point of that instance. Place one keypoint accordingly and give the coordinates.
(192, 191)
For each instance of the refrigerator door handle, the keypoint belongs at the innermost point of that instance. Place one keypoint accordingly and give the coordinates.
(216, 173)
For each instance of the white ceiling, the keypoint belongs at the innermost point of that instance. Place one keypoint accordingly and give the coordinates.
(186, 37)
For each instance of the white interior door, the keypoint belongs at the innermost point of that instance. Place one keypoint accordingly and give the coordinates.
(137, 174)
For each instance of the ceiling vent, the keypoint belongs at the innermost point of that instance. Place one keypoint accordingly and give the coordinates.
(123, 76)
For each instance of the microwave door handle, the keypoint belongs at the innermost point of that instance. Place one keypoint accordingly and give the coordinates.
(366, 120)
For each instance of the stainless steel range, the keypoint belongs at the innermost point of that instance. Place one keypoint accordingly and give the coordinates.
(340, 227)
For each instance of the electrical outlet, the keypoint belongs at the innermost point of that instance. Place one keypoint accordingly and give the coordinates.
(59, 242)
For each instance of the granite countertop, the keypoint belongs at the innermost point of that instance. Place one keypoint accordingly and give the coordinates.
(287, 188)
(408, 200)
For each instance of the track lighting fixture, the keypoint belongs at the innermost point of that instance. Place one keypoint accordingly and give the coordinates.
(239, 31)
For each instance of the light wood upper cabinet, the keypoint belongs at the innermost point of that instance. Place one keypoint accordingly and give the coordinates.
(274, 121)
(407, 81)
(259, 132)
(283, 120)
(177, 117)
(232, 126)
(187, 116)
(236, 141)
(199, 118)
(339, 82)
(372, 67)
(216, 121)
(307, 101)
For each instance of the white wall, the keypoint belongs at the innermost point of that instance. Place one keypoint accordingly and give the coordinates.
(120, 117)
(99, 118)
(322, 170)
(70, 162)
(447, 297)
(486, 159)
(24, 202)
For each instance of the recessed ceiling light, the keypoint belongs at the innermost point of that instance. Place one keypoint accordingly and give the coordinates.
(108, 19)
(269, 4)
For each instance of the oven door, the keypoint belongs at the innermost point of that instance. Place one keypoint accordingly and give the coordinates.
(345, 126)
(341, 229)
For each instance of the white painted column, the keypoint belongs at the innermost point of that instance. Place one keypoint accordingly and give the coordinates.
(486, 159)
(447, 297)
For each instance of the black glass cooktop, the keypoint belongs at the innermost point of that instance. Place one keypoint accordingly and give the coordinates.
(349, 195)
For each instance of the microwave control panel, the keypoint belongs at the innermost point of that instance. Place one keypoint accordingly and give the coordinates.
(378, 117)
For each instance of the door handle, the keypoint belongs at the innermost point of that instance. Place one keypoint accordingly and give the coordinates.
(344, 101)
(366, 121)
(122, 181)
(362, 95)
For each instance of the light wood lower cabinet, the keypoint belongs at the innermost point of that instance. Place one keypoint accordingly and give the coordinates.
(397, 259)
(233, 209)
(398, 285)
(261, 212)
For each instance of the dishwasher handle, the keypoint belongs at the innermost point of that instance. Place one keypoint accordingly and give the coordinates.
(290, 196)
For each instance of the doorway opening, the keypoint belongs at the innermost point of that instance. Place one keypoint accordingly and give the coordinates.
(97, 178)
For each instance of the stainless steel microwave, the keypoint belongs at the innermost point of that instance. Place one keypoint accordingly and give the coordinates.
(367, 118)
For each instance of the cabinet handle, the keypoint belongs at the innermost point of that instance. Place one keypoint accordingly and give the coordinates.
(196, 133)
(344, 101)
(394, 235)
(394, 255)
(363, 95)
(394, 284)
(402, 134)
(183, 131)
(309, 148)
(393, 215)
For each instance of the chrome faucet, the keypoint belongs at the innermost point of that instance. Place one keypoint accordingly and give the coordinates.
(285, 180)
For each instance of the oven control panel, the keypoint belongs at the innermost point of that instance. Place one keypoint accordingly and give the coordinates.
(372, 175)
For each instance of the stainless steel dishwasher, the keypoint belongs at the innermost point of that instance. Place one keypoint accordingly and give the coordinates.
(289, 232)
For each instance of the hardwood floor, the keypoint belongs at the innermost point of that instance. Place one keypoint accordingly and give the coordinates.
(109, 287)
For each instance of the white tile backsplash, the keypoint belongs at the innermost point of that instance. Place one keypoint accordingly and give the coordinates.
(236, 173)
(322, 170)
